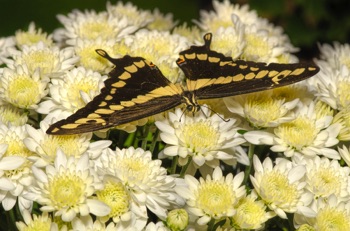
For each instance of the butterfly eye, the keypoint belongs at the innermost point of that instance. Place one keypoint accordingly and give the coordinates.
(189, 107)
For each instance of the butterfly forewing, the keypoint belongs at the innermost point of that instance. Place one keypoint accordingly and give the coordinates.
(212, 75)
(135, 90)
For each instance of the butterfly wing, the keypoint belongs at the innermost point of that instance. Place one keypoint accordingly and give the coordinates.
(212, 75)
(136, 89)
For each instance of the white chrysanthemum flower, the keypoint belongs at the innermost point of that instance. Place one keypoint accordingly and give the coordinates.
(260, 46)
(21, 88)
(46, 146)
(230, 40)
(307, 135)
(159, 226)
(52, 61)
(332, 86)
(163, 53)
(37, 222)
(325, 177)
(325, 214)
(145, 179)
(124, 211)
(336, 55)
(281, 187)
(214, 197)
(90, 25)
(66, 188)
(13, 115)
(32, 36)
(86, 223)
(343, 118)
(5, 44)
(221, 16)
(251, 213)
(129, 12)
(86, 51)
(15, 170)
(72, 92)
(207, 139)
(262, 109)
(310, 134)
(160, 21)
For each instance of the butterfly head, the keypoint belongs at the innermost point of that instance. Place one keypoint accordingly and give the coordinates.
(191, 102)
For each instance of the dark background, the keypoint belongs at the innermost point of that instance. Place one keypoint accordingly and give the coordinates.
(306, 22)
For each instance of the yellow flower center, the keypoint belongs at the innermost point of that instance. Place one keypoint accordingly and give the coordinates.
(260, 110)
(93, 30)
(325, 181)
(68, 144)
(116, 197)
(23, 91)
(200, 137)
(91, 60)
(256, 47)
(344, 93)
(137, 169)
(26, 38)
(74, 96)
(332, 219)
(249, 214)
(215, 198)
(66, 191)
(38, 223)
(298, 133)
(13, 115)
(276, 189)
(44, 60)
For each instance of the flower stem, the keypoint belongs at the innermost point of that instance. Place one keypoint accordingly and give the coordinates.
(184, 168)
(173, 165)
(249, 167)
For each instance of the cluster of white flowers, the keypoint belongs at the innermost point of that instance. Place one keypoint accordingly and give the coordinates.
(178, 171)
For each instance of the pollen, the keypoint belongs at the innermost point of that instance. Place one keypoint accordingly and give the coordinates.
(256, 47)
(200, 137)
(23, 91)
(74, 90)
(215, 198)
(298, 133)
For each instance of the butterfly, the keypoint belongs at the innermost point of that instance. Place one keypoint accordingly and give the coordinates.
(137, 88)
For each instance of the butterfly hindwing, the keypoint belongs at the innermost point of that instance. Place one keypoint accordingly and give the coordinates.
(212, 75)
(136, 89)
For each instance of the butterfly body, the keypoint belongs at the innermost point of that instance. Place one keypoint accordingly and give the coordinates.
(137, 89)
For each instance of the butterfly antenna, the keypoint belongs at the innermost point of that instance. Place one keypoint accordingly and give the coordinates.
(226, 120)
(183, 112)
(104, 54)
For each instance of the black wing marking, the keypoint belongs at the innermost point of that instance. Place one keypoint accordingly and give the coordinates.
(212, 75)
(136, 89)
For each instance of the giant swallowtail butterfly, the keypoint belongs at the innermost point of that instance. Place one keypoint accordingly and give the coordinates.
(137, 88)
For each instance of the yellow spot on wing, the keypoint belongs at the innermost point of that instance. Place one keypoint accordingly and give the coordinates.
(85, 120)
(140, 64)
(127, 103)
(108, 97)
(243, 66)
(250, 75)
(311, 68)
(116, 107)
(125, 75)
(298, 71)
(190, 56)
(254, 68)
(93, 116)
(223, 63)
(119, 84)
(132, 68)
(202, 56)
(102, 104)
(238, 77)
(261, 74)
(272, 73)
(214, 59)
(104, 111)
